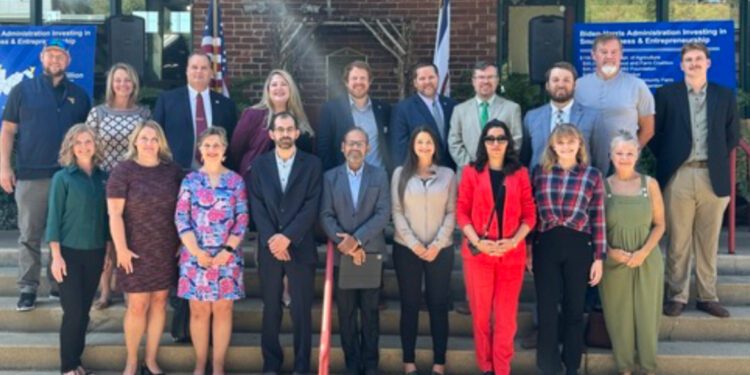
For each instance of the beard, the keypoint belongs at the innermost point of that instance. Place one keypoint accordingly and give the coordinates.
(285, 143)
(561, 97)
(609, 70)
(60, 73)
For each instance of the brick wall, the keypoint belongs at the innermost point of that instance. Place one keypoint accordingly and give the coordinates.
(250, 51)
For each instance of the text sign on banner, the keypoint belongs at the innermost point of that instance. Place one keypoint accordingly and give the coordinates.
(651, 50)
(19, 54)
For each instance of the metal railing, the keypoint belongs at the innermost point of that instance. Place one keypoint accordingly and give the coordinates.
(744, 146)
(325, 322)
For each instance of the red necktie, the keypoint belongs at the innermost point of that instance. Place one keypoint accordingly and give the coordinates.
(200, 121)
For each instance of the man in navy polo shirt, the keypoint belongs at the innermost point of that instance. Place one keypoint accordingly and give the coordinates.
(39, 110)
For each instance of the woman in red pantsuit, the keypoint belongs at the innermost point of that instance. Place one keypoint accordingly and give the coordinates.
(495, 211)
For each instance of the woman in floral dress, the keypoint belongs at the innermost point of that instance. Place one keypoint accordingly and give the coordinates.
(211, 218)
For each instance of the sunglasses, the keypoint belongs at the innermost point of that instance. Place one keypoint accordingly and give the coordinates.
(499, 139)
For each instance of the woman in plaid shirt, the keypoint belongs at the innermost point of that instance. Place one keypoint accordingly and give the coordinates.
(569, 244)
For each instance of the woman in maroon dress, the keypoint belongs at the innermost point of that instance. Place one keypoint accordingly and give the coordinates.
(141, 198)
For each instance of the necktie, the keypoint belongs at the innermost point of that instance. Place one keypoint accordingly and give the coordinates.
(200, 120)
(558, 117)
(484, 114)
(438, 119)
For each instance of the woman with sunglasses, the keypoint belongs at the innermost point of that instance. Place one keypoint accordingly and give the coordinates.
(495, 211)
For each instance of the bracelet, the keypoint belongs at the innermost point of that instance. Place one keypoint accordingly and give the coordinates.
(228, 249)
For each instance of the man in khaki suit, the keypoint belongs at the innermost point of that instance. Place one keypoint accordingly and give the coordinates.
(470, 116)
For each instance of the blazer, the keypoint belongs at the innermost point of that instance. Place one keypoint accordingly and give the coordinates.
(336, 119)
(172, 112)
(586, 119)
(465, 130)
(367, 221)
(412, 113)
(291, 212)
(673, 140)
(475, 203)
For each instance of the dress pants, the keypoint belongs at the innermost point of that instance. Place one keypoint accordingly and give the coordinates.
(31, 201)
(301, 289)
(562, 260)
(84, 267)
(359, 327)
(694, 215)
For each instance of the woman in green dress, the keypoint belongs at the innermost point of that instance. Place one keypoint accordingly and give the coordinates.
(633, 283)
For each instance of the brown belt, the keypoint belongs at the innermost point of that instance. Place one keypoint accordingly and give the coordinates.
(696, 164)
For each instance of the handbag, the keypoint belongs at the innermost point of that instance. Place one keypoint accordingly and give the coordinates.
(596, 335)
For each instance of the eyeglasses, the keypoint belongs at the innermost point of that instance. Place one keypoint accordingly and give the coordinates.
(358, 144)
(499, 139)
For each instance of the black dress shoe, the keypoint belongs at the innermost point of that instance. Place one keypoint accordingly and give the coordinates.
(146, 371)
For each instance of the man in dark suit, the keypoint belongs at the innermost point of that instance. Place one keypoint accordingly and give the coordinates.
(356, 109)
(696, 129)
(354, 210)
(284, 193)
(425, 108)
(187, 111)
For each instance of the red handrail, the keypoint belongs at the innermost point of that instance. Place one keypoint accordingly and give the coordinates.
(325, 323)
(744, 146)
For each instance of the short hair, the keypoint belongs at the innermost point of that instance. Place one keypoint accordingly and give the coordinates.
(165, 154)
(109, 96)
(213, 130)
(423, 64)
(359, 64)
(624, 136)
(356, 129)
(549, 157)
(482, 65)
(564, 65)
(604, 38)
(197, 52)
(282, 115)
(67, 157)
(694, 46)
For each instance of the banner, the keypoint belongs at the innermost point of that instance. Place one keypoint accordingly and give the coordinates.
(19, 55)
(651, 50)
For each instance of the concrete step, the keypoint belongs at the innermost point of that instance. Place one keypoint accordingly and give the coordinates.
(105, 351)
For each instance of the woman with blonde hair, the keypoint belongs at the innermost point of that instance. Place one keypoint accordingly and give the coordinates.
(141, 197)
(77, 233)
(113, 121)
(569, 245)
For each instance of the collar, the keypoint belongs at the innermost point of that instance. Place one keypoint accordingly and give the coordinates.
(427, 100)
(193, 92)
(282, 161)
(352, 173)
(565, 109)
(701, 91)
(489, 101)
(367, 107)
(48, 79)
(73, 169)
(576, 169)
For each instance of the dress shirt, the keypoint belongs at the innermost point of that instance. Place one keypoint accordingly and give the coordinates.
(285, 168)
(428, 102)
(355, 180)
(698, 123)
(479, 108)
(206, 96)
(365, 118)
(565, 115)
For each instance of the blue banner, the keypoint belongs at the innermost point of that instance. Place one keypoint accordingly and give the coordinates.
(19, 54)
(651, 50)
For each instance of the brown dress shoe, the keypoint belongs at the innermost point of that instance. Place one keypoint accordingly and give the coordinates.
(673, 308)
(713, 308)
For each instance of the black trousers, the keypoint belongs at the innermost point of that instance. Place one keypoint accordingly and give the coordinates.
(359, 327)
(562, 261)
(301, 289)
(437, 277)
(84, 267)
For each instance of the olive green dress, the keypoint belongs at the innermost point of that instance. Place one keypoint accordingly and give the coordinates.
(632, 298)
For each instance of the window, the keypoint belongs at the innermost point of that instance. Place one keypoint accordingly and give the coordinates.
(688, 10)
(67, 11)
(15, 11)
(620, 10)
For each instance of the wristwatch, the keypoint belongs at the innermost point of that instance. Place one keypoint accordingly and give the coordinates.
(228, 249)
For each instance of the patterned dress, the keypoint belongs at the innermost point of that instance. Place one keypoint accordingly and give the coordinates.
(114, 127)
(212, 214)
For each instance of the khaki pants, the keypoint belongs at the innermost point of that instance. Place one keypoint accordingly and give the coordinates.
(31, 200)
(694, 215)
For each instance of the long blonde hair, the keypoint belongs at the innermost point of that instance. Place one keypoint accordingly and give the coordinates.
(165, 154)
(294, 105)
(67, 157)
(109, 97)
(549, 157)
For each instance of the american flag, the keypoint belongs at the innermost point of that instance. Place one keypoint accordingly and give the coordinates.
(443, 48)
(213, 45)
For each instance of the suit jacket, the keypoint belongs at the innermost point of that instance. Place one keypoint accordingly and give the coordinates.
(537, 125)
(172, 112)
(367, 221)
(465, 130)
(412, 113)
(336, 119)
(673, 140)
(291, 212)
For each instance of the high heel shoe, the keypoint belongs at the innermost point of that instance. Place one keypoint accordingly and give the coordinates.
(146, 371)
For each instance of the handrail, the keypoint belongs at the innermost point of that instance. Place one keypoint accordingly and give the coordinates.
(744, 146)
(325, 320)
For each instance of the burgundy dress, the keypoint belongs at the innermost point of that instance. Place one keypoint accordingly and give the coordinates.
(150, 195)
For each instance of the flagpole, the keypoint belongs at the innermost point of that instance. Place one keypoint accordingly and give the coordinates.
(214, 47)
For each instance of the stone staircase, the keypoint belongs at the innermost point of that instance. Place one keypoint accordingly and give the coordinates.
(694, 343)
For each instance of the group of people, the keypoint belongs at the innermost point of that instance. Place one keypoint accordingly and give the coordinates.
(165, 198)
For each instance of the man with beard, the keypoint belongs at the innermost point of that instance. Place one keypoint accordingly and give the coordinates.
(356, 109)
(469, 117)
(622, 99)
(425, 108)
(284, 195)
(355, 208)
(40, 111)
(562, 109)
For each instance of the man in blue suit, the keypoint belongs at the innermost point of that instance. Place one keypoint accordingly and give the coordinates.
(425, 108)
(562, 108)
(356, 109)
(187, 111)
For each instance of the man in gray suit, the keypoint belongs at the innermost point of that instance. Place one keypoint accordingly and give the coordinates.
(354, 212)
(562, 108)
(469, 117)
